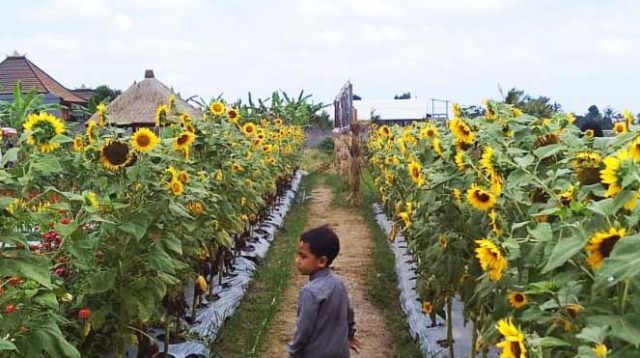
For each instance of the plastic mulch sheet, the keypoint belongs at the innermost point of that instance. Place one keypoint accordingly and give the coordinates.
(420, 326)
(233, 286)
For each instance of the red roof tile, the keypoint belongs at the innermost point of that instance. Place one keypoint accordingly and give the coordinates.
(19, 68)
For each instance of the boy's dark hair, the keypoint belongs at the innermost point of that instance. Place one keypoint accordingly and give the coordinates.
(322, 241)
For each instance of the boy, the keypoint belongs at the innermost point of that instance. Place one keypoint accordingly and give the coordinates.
(325, 326)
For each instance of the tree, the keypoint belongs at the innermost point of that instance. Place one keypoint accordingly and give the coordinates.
(539, 107)
(405, 95)
(101, 94)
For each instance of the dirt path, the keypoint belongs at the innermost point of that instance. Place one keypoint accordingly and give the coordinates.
(352, 264)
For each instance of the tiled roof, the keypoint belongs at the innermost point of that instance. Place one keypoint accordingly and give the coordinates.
(19, 68)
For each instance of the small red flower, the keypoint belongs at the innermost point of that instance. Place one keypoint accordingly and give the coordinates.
(65, 221)
(84, 313)
(15, 281)
(10, 309)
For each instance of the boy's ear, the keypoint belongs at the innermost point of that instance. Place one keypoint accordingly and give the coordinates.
(324, 261)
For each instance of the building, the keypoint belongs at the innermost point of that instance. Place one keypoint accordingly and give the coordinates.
(391, 111)
(136, 107)
(17, 68)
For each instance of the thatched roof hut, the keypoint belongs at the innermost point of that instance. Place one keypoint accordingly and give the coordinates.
(136, 107)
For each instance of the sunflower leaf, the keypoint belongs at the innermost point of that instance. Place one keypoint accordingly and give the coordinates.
(625, 328)
(564, 250)
(623, 263)
(548, 342)
(541, 232)
(595, 334)
(548, 150)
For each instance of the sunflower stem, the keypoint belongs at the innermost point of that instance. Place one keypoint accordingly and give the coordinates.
(474, 337)
(450, 327)
(167, 328)
(623, 297)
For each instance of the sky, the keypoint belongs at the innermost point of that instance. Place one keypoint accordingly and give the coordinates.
(578, 52)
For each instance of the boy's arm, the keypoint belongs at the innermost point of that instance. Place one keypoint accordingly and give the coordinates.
(307, 312)
(351, 320)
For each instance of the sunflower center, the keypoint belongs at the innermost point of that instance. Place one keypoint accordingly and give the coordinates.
(117, 153)
(518, 297)
(515, 348)
(232, 114)
(184, 138)
(143, 140)
(415, 172)
(482, 196)
(607, 245)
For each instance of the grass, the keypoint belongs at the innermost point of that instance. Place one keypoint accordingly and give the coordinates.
(381, 279)
(243, 335)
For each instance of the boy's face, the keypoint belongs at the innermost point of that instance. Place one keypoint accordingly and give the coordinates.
(307, 262)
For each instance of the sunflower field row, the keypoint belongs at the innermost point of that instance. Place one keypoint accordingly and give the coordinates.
(102, 232)
(531, 223)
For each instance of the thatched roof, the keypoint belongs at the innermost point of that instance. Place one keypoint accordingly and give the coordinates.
(137, 105)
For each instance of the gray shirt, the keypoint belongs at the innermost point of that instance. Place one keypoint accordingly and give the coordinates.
(325, 318)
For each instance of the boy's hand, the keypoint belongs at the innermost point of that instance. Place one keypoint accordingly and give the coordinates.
(354, 343)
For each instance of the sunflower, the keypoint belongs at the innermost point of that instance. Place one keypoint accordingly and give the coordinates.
(496, 183)
(457, 112)
(384, 132)
(480, 198)
(600, 350)
(201, 284)
(162, 112)
(272, 161)
(459, 160)
(485, 161)
(101, 110)
(144, 140)
(517, 299)
(173, 171)
(491, 259)
(457, 194)
(620, 128)
(185, 119)
(233, 115)
(93, 200)
(176, 187)
(628, 117)
(493, 217)
(461, 131)
(278, 121)
(249, 129)
(517, 112)
(219, 176)
(589, 133)
(236, 168)
(436, 146)
(217, 108)
(415, 172)
(444, 241)
(566, 197)
(634, 149)
(195, 207)
(612, 174)
(115, 155)
(513, 344)
(573, 309)
(430, 131)
(587, 167)
(631, 204)
(184, 141)
(601, 245)
(183, 176)
(42, 128)
(427, 307)
(91, 132)
(78, 143)
(547, 139)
